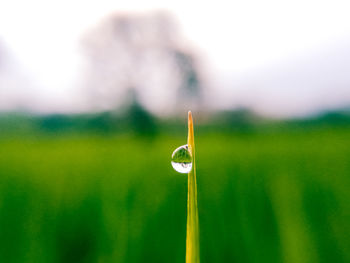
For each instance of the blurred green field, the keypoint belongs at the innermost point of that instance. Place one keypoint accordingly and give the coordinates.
(279, 196)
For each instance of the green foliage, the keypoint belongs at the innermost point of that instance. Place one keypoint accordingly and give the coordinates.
(279, 196)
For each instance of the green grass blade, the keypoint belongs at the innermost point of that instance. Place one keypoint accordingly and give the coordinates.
(192, 234)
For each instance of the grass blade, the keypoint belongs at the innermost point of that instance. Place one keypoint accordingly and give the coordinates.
(192, 234)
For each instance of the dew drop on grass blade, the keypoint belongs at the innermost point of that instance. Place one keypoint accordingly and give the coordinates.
(183, 161)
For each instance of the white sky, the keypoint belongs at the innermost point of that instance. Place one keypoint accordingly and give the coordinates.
(237, 38)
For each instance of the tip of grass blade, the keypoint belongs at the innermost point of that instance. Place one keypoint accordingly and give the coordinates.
(190, 138)
(190, 120)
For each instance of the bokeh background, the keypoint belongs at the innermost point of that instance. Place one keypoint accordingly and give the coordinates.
(93, 100)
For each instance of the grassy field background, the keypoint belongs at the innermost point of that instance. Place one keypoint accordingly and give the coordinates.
(278, 196)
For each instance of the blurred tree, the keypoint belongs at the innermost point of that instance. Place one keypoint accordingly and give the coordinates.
(136, 118)
(190, 87)
(144, 51)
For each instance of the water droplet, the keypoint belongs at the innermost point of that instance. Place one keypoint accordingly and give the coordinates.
(181, 159)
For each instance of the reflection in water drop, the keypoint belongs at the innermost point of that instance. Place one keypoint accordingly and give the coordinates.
(181, 159)
(182, 167)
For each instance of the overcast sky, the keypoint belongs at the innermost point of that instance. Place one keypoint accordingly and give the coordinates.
(281, 58)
